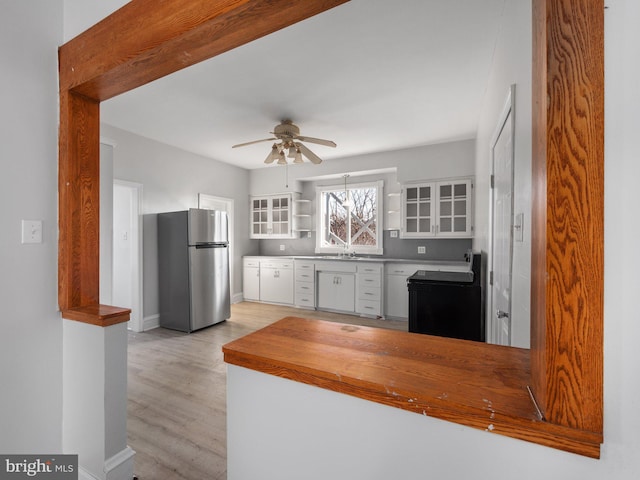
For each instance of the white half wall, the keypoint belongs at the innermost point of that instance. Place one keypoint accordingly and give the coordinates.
(279, 429)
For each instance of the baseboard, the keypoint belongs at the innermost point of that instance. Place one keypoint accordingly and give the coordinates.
(237, 298)
(118, 467)
(150, 322)
(84, 475)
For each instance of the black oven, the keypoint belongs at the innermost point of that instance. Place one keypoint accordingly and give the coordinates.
(449, 304)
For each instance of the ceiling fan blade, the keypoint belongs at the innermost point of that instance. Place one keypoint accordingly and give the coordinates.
(319, 141)
(313, 158)
(255, 141)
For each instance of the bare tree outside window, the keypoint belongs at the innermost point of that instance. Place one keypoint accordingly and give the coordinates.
(353, 224)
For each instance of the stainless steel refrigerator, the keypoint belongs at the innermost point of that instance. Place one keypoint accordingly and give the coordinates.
(193, 269)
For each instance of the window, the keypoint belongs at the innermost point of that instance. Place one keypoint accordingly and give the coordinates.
(348, 218)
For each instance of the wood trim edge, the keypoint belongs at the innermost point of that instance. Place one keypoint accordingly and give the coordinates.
(99, 315)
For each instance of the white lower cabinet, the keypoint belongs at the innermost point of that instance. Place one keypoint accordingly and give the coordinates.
(336, 291)
(305, 285)
(396, 291)
(276, 281)
(251, 279)
(369, 290)
(366, 288)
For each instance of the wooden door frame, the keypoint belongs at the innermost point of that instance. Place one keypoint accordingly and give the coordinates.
(146, 40)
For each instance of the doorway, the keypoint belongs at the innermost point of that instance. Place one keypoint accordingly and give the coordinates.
(127, 250)
(500, 271)
(212, 202)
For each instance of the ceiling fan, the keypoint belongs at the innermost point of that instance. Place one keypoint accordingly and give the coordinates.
(289, 135)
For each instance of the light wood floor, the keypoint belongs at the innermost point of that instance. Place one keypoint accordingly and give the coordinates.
(176, 414)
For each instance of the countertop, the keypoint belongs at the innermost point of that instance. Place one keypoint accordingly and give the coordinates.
(471, 383)
(434, 264)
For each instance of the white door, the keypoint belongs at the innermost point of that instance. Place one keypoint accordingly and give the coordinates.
(502, 239)
(251, 283)
(211, 202)
(276, 285)
(127, 248)
(336, 291)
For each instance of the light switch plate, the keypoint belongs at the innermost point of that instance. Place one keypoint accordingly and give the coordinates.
(518, 227)
(422, 249)
(31, 231)
(281, 248)
(394, 233)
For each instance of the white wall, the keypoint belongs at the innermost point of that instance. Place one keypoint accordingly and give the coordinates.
(172, 179)
(106, 225)
(79, 15)
(296, 430)
(31, 338)
(511, 65)
(452, 159)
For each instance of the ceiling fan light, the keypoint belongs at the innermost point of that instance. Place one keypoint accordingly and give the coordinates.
(347, 202)
(298, 156)
(273, 154)
(281, 159)
(292, 152)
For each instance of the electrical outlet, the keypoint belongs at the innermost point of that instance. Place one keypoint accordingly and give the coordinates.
(308, 234)
(282, 248)
(422, 249)
(394, 233)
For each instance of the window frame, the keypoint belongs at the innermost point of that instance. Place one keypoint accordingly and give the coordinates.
(322, 248)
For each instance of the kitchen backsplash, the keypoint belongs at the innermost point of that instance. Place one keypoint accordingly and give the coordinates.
(441, 249)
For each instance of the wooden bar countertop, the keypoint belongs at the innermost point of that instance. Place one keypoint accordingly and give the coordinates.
(470, 383)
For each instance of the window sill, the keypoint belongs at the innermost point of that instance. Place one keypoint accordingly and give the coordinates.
(340, 251)
(469, 383)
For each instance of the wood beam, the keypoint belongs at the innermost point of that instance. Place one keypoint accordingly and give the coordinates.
(146, 39)
(79, 201)
(568, 212)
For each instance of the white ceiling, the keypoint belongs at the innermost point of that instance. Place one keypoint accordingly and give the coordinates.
(371, 75)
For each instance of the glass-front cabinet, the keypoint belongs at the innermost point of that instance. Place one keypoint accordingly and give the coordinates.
(437, 209)
(419, 210)
(271, 216)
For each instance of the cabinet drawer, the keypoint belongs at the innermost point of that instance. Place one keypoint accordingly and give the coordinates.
(305, 288)
(369, 307)
(403, 270)
(304, 276)
(369, 280)
(304, 266)
(370, 269)
(305, 300)
(369, 293)
(250, 263)
(282, 265)
(324, 266)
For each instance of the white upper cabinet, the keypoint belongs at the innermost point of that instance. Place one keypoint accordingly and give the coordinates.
(437, 209)
(271, 216)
